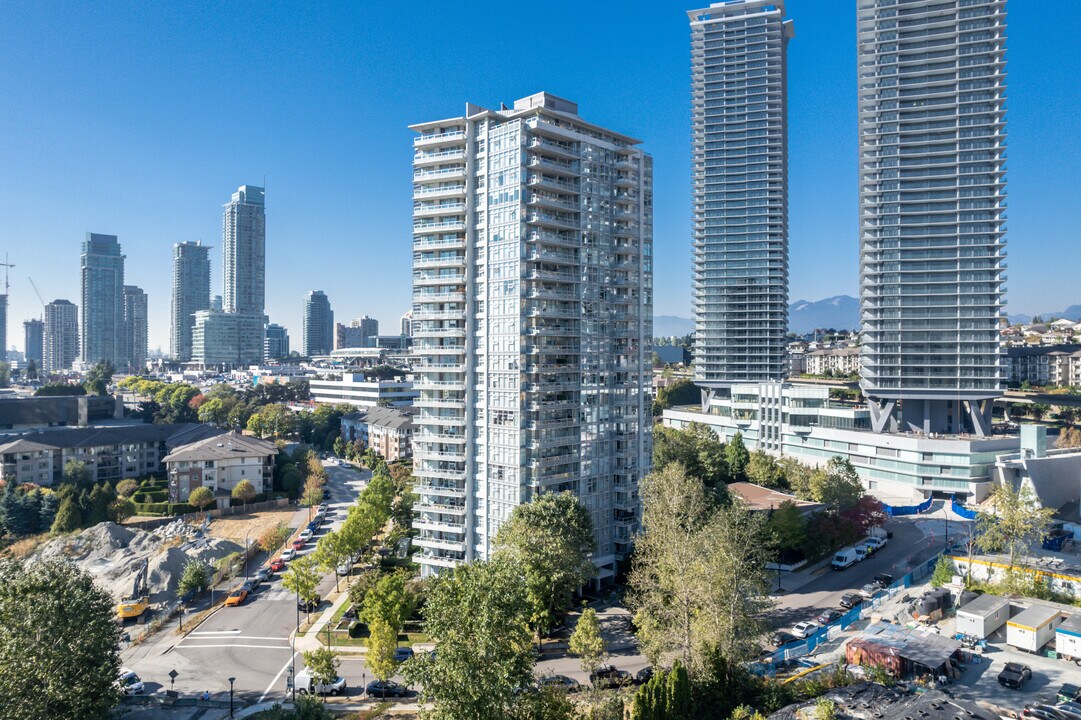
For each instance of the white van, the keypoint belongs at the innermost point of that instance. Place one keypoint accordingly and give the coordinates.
(845, 558)
(307, 684)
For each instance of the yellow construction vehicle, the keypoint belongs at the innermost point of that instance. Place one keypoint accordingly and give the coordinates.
(136, 604)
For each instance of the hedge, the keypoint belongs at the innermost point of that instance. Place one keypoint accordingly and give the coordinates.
(150, 496)
(157, 509)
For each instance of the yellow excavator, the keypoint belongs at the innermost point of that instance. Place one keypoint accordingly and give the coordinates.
(136, 604)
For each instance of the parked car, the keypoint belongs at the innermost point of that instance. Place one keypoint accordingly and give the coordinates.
(402, 654)
(875, 543)
(1015, 675)
(129, 682)
(309, 605)
(288, 554)
(607, 676)
(850, 600)
(1069, 693)
(805, 629)
(344, 567)
(262, 575)
(845, 558)
(869, 590)
(644, 675)
(277, 565)
(299, 543)
(883, 580)
(237, 596)
(1066, 712)
(778, 639)
(1072, 706)
(863, 552)
(1044, 712)
(559, 682)
(381, 689)
(305, 684)
(827, 616)
(305, 535)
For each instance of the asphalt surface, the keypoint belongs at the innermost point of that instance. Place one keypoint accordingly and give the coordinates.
(250, 642)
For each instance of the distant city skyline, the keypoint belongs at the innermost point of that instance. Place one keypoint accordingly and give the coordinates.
(150, 160)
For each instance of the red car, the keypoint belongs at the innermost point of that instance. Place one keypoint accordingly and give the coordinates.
(299, 544)
(277, 565)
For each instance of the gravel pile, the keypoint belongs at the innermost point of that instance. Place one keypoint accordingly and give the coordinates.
(113, 554)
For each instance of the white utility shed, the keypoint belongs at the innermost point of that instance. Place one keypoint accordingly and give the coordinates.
(1033, 628)
(983, 615)
(1068, 637)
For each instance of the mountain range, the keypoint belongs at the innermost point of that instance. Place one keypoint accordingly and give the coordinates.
(841, 312)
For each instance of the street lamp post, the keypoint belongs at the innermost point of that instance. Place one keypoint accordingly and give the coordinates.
(246, 554)
(231, 680)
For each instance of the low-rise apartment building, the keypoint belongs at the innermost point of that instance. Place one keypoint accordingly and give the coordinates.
(1043, 365)
(387, 431)
(356, 389)
(220, 463)
(837, 361)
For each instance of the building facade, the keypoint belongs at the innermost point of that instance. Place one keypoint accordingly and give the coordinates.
(227, 339)
(102, 329)
(387, 431)
(61, 340)
(191, 293)
(244, 252)
(220, 463)
(275, 342)
(135, 328)
(356, 389)
(532, 324)
(34, 342)
(932, 105)
(838, 362)
(407, 324)
(318, 337)
(740, 141)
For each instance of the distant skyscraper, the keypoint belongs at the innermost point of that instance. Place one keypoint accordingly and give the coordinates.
(532, 296)
(318, 335)
(932, 104)
(61, 345)
(276, 342)
(102, 336)
(407, 324)
(244, 251)
(191, 293)
(215, 303)
(369, 330)
(135, 328)
(34, 341)
(360, 333)
(740, 130)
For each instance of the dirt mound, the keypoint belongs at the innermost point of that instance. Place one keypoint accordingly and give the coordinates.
(113, 554)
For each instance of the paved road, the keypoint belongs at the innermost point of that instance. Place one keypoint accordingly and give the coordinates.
(250, 643)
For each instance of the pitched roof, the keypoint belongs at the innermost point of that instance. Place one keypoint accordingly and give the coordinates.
(222, 447)
(393, 418)
(64, 438)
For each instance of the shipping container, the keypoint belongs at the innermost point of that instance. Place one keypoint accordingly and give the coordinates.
(983, 615)
(1033, 628)
(1068, 637)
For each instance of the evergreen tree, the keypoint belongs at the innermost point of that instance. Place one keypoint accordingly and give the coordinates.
(738, 457)
(97, 508)
(9, 506)
(47, 513)
(68, 517)
(678, 693)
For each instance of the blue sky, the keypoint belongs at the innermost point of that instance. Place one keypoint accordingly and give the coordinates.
(140, 119)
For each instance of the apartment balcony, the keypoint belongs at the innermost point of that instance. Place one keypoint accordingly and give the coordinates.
(430, 209)
(443, 332)
(439, 227)
(434, 192)
(436, 559)
(452, 173)
(559, 222)
(426, 279)
(548, 237)
(440, 508)
(539, 181)
(434, 158)
(439, 350)
(423, 488)
(437, 544)
(438, 403)
(436, 139)
(423, 420)
(431, 295)
(440, 455)
(437, 526)
(454, 242)
(426, 384)
(560, 167)
(566, 151)
(430, 367)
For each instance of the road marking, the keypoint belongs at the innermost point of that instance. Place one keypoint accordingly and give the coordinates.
(214, 632)
(278, 676)
(239, 637)
(232, 645)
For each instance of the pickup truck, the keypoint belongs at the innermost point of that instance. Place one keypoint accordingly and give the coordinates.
(1015, 675)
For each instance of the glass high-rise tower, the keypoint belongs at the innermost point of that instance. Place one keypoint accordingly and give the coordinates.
(191, 293)
(532, 324)
(318, 334)
(740, 141)
(932, 103)
(102, 328)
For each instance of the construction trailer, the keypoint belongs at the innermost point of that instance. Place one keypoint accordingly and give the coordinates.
(1033, 628)
(1068, 637)
(901, 650)
(983, 616)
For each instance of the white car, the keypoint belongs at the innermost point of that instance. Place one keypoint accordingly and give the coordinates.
(869, 590)
(805, 629)
(129, 682)
(288, 554)
(305, 535)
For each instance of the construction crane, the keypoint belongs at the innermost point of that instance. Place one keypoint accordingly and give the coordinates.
(134, 606)
(8, 265)
(36, 291)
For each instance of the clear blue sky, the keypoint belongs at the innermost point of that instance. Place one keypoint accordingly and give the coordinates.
(140, 119)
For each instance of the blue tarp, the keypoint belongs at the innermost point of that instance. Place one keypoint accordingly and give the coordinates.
(897, 510)
(961, 510)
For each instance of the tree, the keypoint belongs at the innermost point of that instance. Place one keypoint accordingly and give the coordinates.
(587, 643)
(763, 470)
(244, 491)
(59, 389)
(797, 476)
(867, 513)
(788, 527)
(331, 551)
(385, 609)
(272, 538)
(478, 616)
(943, 572)
(1069, 437)
(313, 493)
(76, 473)
(31, 370)
(323, 664)
(339, 446)
(194, 579)
(1018, 521)
(126, 488)
(837, 486)
(201, 497)
(98, 378)
(97, 509)
(301, 578)
(737, 457)
(550, 540)
(120, 510)
(68, 518)
(58, 642)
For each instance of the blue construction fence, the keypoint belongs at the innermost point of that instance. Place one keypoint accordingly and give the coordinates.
(898, 510)
(961, 510)
(794, 650)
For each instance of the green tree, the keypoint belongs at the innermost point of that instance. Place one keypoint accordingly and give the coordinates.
(201, 497)
(943, 572)
(68, 518)
(788, 527)
(302, 578)
(97, 510)
(737, 457)
(797, 476)
(98, 378)
(194, 579)
(126, 488)
(323, 664)
(385, 609)
(121, 509)
(837, 486)
(587, 643)
(763, 470)
(478, 616)
(76, 473)
(678, 693)
(58, 642)
(1018, 521)
(331, 551)
(339, 446)
(550, 539)
(244, 491)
